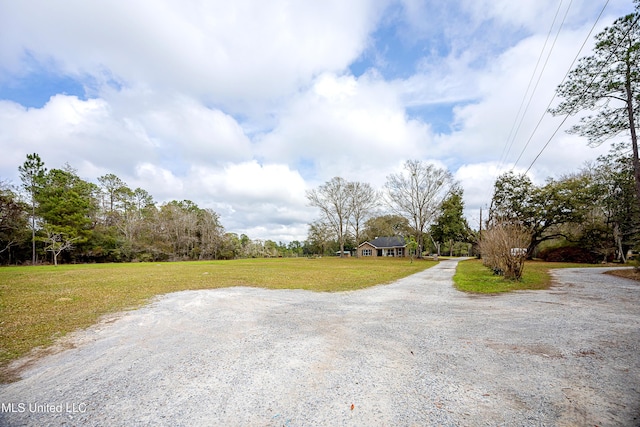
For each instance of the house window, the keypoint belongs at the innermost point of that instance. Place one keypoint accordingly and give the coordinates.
(366, 252)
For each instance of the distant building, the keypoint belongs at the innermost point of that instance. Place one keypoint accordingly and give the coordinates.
(383, 246)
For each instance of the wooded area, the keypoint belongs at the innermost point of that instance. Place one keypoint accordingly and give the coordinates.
(58, 217)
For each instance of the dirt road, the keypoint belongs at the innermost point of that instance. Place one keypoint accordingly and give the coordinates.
(416, 352)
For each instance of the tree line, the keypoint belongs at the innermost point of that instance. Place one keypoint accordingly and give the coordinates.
(592, 215)
(595, 209)
(56, 216)
(59, 217)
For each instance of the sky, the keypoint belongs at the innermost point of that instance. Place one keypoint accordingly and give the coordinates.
(243, 106)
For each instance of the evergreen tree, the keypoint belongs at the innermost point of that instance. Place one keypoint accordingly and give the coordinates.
(608, 83)
(451, 226)
(32, 174)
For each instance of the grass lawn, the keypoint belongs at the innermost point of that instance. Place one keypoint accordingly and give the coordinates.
(472, 276)
(40, 304)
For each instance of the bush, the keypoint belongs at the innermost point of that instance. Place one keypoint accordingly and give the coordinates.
(570, 254)
(502, 248)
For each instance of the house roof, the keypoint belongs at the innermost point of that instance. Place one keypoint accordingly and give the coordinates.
(387, 242)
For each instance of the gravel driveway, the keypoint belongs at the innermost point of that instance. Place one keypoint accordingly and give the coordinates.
(415, 352)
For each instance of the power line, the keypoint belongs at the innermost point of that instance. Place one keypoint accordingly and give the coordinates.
(535, 129)
(511, 137)
(586, 39)
(595, 76)
(540, 76)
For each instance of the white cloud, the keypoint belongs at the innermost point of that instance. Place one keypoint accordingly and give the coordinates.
(274, 183)
(477, 182)
(198, 134)
(69, 130)
(163, 182)
(354, 128)
(530, 14)
(268, 199)
(242, 106)
(235, 53)
(489, 128)
(124, 131)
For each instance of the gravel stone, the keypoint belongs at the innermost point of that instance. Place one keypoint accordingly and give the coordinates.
(414, 352)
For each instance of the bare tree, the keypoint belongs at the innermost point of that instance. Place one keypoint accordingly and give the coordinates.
(56, 242)
(334, 201)
(503, 248)
(211, 233)
(417, 194)
(363, 200)
(13, 217)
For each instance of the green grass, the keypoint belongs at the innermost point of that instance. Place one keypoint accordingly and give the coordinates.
(40, 304)
(472, 276)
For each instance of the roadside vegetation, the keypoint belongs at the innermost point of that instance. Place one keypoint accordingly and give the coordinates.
(630, 273)
(40, 304)
(472, 276)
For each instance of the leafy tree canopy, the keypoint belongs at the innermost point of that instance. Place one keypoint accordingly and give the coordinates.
(541, 210)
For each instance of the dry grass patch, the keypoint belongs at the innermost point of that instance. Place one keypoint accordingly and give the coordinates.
(40, 304)
(629, 273)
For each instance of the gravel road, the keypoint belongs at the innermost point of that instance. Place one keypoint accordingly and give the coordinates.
(415, 352)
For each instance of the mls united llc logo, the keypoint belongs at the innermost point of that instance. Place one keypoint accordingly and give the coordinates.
(59, 408)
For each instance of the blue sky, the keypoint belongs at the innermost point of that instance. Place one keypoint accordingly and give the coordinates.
(36, 83)
(242, 106)
(35, 89)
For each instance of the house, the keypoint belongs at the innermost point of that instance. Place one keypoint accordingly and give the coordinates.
(383, 246)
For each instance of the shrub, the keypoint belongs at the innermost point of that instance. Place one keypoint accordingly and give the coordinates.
(570, 254)
(502, 249)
